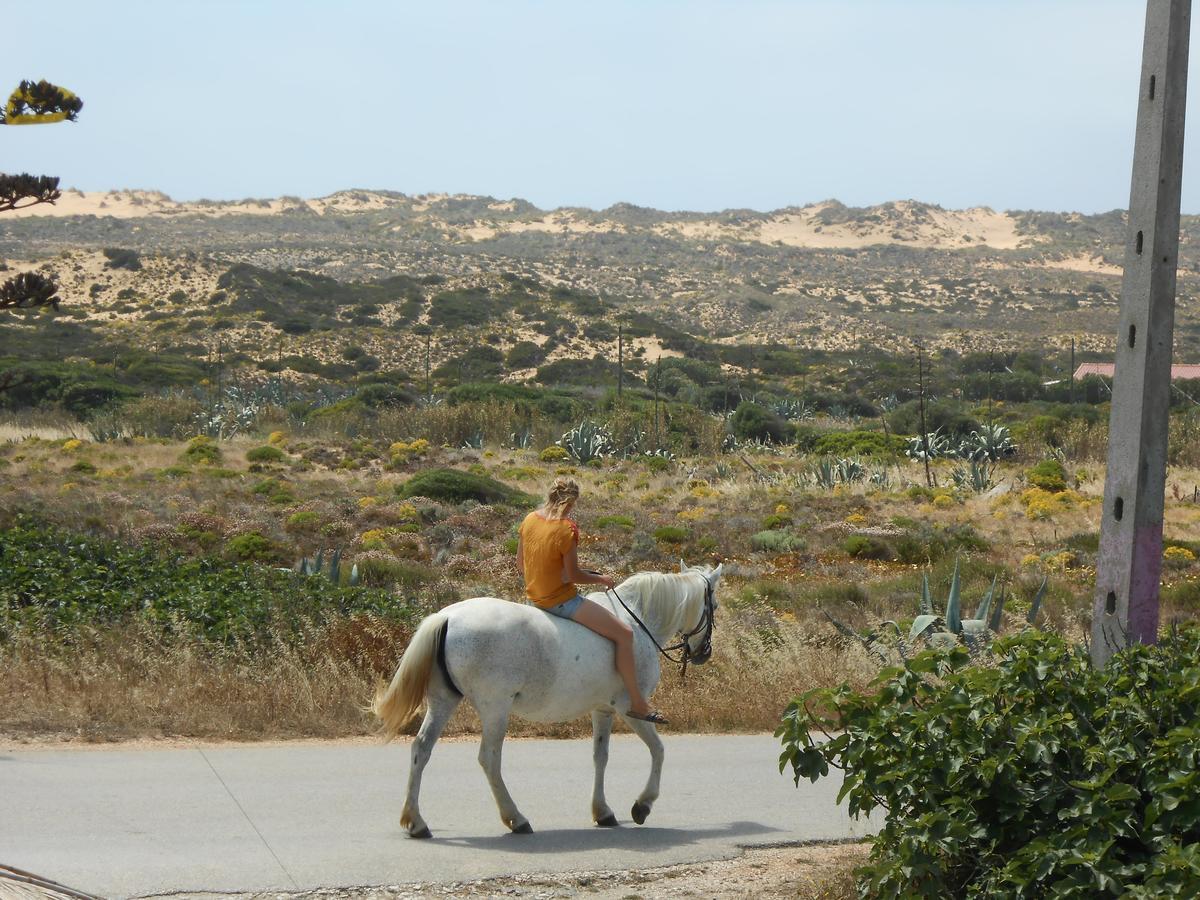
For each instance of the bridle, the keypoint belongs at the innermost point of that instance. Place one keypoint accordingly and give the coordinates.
(706, 624)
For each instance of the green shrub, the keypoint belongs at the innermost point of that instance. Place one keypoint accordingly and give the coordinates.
(1049, 475)
(1037, 776)
(202, 450)
(757, 423)
(873, 444)
(671, 534)
(250, 546)
(773, 541)
(302, 521)
(777, 521)
(83, 467)
(377, 570)
(56, 579)
(776, 594)
(455, 486)
(624, 523)
(866, 546)
(265, 454)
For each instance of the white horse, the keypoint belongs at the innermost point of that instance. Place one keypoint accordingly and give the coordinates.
(508, 657)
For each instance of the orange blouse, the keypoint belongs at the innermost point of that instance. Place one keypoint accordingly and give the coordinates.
(545, 543)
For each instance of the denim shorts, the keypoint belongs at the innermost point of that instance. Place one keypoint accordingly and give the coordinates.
(566, 609)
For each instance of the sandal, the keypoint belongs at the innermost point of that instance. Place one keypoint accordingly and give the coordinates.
(654, 717)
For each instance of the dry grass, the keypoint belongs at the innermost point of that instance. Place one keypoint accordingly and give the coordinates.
(112, 684)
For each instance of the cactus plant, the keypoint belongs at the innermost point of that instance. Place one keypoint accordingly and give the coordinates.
(316, 566)
(587, 441)
(986, 619)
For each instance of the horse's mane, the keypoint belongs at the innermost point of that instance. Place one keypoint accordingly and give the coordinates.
(668, 602)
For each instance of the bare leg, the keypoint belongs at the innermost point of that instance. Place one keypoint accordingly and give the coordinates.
(495, 724)
(442, 704)
(646, 731)
(595, 617)
(602, 722)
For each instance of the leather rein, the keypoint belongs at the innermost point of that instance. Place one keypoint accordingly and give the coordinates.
(706, 624)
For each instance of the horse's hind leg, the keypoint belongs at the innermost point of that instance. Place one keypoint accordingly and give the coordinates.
(645, 730)
(495, 724)
(441, 705)
(602, 722)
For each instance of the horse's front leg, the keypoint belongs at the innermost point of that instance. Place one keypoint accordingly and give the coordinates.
(602, 723)
(495, 724)
(648, 734)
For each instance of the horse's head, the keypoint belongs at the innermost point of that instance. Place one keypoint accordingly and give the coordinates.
(697, 641)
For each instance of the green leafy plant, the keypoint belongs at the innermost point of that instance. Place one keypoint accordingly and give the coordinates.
(586, 442)
(455, 486)
(1038, 776)
(316, 566)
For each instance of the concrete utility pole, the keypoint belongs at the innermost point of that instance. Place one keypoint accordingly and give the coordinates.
(1131, 539)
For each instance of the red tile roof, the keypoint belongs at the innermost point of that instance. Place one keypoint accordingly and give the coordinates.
(1178, 373)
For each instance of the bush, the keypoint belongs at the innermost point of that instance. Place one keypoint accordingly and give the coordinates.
(554, 454)
(1049, 475)
(55, 579)
(454, 486)
(671, 534)
(860, 443)
(265, 454)
(1036, 776)
(250, 546)
(773, 541)
(624, 523)
(757, 423)
(122, 259)
(202, 450)
(865, 546)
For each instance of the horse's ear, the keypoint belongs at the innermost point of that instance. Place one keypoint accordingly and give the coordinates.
(682, 565)
(716, 573)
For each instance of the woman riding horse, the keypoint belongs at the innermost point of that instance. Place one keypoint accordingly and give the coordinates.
(548, 559)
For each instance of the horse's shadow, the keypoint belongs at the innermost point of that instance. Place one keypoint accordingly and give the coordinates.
(640, 838)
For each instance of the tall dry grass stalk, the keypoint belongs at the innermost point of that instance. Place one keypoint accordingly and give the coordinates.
(118, 683)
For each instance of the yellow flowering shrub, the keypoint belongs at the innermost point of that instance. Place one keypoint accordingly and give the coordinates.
(277, 437)
(367, 502)
(1179, 555)
(782, 509)
(854, 518)
(408, 512)
(702, 490)
(943, 501)
(375, 539)
(72, 445)
(403, 450)
(1043, 504)
(1030, 561)
(554, 453)
(692, 515)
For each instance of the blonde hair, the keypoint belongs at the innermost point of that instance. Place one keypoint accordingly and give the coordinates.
(562, 494)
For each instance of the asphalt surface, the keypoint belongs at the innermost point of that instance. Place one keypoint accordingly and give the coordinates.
(132, 823)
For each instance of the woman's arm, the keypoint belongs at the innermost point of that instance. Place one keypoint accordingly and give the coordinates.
(574, 575)
(521, 555)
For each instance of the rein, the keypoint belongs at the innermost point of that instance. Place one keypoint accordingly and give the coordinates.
(706, 624)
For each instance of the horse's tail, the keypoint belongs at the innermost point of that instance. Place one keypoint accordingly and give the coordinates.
(399, 701)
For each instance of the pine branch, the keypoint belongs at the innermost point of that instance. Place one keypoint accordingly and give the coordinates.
(33, 188)
(34, 102)
(28, 290)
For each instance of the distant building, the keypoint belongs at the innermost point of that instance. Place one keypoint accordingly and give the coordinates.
(1178, 373)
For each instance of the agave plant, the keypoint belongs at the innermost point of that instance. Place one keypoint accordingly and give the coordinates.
(976, 475)
(587, 441)
(474, 440)
(849, 471)
(938, 446)
(880, 478)
(824, 474)
(521, 439)
(989, 444)
(793, 410)
(316, 566)
(987, 616)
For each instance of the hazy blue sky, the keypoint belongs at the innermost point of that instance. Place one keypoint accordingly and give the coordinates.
(678, 105)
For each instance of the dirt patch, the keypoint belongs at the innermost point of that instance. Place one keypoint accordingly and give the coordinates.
(818, 871)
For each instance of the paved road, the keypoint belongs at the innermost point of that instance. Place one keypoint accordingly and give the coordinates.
(128, 823)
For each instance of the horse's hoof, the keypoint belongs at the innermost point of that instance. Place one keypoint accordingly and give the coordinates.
(639, 812)
(422, 834)
(609, 821)
(523, 828)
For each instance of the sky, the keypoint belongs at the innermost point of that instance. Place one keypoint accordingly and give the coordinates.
(674, 104)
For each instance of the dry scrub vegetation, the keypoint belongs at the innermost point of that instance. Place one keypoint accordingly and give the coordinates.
(856, 551)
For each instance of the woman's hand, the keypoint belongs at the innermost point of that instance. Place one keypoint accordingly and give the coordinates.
(604, 580)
